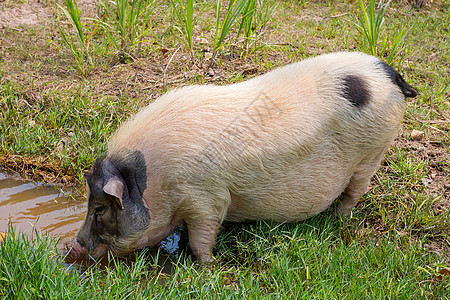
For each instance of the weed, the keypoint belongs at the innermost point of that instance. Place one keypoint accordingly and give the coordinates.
(234, 9)
(79, 50)
(130, 25)
(185, 16)
(393, 51)
(255, 15)
(370, 24)
(247, 20)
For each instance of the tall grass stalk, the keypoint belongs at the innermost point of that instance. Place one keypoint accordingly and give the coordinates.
(81, 49)
(255, 15)
(234, 9)
(247, 20)
(130, 24)
(132, 20)
(185, 16)
(370, 24)
(394, 50)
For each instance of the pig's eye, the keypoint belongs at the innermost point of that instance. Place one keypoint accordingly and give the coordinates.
(100, 210)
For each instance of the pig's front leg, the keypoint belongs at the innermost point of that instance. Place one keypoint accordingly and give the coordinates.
(154, 236)
(202, 237)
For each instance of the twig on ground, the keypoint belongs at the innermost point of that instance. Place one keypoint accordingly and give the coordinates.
(168, 63)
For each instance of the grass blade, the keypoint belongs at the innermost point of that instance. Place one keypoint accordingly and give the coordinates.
(185, 15)
(235, 8)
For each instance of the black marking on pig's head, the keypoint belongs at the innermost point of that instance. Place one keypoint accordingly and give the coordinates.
(116, 214)
(397, 79)
(355, 90)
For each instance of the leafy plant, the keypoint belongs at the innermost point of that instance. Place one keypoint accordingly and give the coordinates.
(79, 49)
(185, 16)
(394, 52)
(234, 9)
(248, 18)
(370, 24)
(255, 15)
(130, 24)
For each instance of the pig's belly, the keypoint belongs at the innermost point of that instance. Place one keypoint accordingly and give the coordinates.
(295, 207)
(290, 196)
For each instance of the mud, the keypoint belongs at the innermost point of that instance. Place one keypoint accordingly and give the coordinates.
(29, 206)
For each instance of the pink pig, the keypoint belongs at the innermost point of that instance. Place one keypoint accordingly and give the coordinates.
(282, 146)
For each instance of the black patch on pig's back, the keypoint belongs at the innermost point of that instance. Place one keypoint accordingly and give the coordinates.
(355, 90)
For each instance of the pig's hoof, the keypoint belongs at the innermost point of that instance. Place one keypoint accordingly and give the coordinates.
(342, 211)
(207, 261)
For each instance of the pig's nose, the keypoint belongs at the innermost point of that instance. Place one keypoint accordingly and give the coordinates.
(81, 242)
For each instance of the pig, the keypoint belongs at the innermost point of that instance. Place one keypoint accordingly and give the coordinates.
(282, 146)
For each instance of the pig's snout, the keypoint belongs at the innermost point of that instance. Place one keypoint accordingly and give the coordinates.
(78, 251)
(75, 249)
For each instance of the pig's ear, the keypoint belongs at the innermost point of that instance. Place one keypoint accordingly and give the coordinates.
(114, 187)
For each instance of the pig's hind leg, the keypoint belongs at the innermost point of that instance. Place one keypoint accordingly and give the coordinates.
(358, 184)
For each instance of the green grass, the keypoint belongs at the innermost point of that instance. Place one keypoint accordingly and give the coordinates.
(185, 14)
(81, 49)
(124, 25)
(71, 132)
(31, 269)
(255, 15)
(371, 26)
(301, 261)
(394, 244)
(223, 27)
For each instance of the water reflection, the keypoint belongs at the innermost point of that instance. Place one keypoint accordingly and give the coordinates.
(29, 205)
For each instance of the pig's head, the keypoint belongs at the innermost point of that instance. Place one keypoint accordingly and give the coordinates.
(117, 217)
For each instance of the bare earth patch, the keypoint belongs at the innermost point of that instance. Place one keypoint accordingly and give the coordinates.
(35, 12)
(437, 157)
(31, 13)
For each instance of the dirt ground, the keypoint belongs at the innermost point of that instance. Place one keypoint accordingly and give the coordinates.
(33, 12)
(437, 159)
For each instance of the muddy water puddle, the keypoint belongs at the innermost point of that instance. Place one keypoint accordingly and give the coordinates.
(29, 206)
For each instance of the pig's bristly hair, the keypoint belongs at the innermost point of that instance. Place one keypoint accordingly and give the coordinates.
(355, 90)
